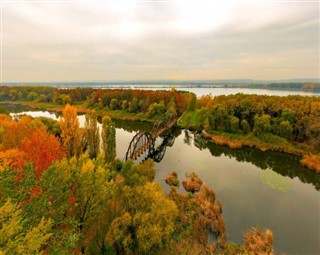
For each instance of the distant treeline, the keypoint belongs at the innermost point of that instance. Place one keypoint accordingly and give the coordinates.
(133, 101)
(312, 85)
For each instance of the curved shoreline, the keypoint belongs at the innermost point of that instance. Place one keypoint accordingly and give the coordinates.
(236, 142)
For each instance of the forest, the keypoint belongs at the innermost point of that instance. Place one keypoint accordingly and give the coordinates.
(66, 193)
(289, 124)
(63, 191)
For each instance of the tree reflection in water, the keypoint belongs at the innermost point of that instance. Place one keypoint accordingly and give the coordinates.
(281, 163)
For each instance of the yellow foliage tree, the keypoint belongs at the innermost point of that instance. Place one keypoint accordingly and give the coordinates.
(71, 134)
(16, 237)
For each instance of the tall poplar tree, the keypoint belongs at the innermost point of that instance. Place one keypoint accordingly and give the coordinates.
(71, 134)
(108, 139)
(92, 134)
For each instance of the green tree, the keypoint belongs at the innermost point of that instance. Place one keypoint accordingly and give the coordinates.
(124, 105)
(13, 94)
(202, 117)
(313, 132)
(234, 124)
(92, 134)
(285, 129)
(156, 110)
(32, 96)
(66, 99)
(219, 118)
(245, 126)
(3, 110)
(289, 115)
(114, 104)
(52, 125)
(134, 105)
(262, 125)
(108, 139)
(171, 109)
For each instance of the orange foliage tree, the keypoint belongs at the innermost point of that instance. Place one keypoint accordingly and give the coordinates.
(14, 132)
(42, 149)
(13, 158)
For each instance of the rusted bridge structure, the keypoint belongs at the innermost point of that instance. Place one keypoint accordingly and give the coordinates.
(144, 143)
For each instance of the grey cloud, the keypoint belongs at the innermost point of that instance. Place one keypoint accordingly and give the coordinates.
(88, 41)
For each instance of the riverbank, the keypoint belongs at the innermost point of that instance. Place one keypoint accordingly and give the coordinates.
(268, 142)
(188, 120)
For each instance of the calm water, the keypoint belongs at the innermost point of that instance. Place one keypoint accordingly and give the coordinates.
(264, 189)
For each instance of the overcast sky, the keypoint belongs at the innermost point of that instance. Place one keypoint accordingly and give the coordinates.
(129, 40)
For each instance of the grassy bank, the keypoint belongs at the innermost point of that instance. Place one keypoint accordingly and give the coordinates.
(264, 143)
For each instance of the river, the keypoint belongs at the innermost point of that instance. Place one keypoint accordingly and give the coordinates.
(264, 189)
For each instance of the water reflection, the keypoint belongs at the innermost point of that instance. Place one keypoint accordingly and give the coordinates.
(283, 164)
(246, 180)
(144, 146)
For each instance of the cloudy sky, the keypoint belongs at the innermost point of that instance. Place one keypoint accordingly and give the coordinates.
(130, 40)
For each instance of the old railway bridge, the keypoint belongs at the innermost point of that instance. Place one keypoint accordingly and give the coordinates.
(143, 144)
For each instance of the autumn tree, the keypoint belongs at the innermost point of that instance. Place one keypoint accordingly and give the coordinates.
(17, 237)
(46, 198)
(12, 158)
(199, 214)
(192, 183)
(108, 139)
(147, 223)
(172, 179)
(257, 242)
(72, 136)
(92, 134)
(41, 149)
(89, 194)
(12, 133)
